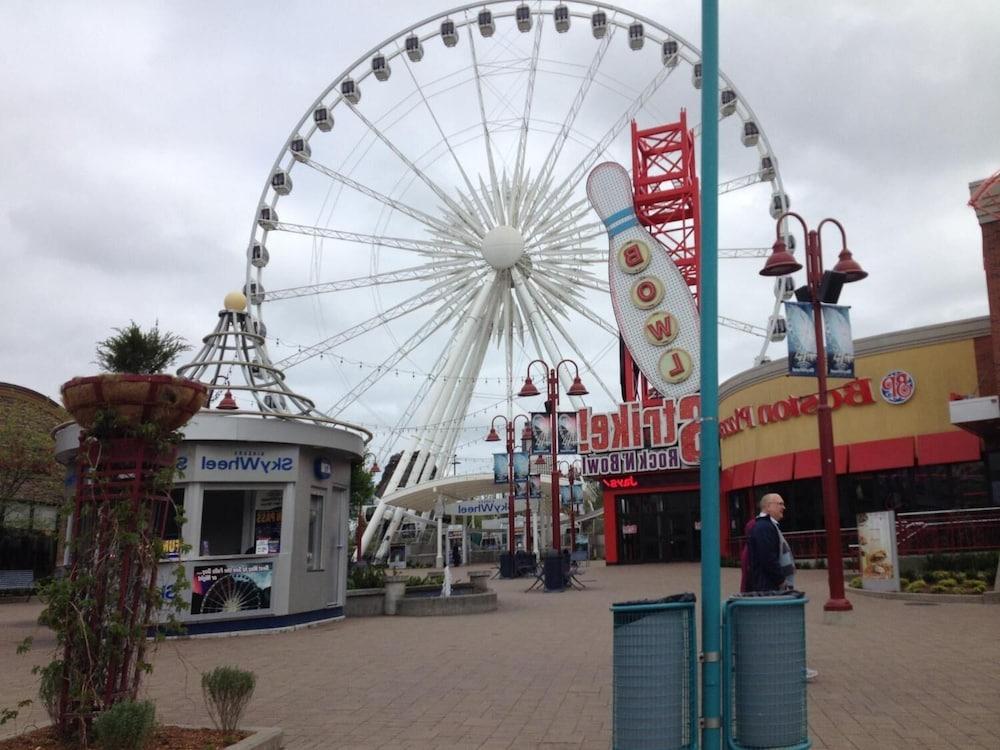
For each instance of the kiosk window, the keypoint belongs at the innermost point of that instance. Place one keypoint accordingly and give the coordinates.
(314, 557)
(222, 522)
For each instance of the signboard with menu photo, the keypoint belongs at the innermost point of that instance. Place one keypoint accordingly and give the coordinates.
(877, 546)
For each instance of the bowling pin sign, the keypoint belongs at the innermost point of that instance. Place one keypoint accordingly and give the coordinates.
(655, 310)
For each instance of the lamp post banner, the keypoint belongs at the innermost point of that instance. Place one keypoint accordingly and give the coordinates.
(541, 433)
(501, 471)
(569, 432)
(839, 341)
(801, 339)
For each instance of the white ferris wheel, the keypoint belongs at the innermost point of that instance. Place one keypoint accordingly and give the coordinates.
(424, 230)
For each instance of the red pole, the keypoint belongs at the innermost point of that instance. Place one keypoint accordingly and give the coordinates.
(510, 489)
(831, 507)
(554, 439)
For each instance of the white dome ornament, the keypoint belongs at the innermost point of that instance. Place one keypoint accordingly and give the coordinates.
(655, 310)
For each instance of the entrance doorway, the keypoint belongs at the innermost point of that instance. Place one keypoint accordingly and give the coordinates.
(659, 527)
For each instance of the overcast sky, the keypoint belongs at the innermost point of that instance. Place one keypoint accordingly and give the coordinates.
(136, 138)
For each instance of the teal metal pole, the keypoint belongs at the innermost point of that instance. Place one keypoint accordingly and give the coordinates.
(711, 696)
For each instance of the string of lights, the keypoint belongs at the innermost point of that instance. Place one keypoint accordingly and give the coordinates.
(396, 371)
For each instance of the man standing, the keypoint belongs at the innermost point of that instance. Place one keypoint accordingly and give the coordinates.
(772, 567)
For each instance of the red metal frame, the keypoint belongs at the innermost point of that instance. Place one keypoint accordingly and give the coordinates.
(666, 199)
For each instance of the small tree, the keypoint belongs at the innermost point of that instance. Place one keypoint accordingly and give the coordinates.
(26, 454)
(134, 350)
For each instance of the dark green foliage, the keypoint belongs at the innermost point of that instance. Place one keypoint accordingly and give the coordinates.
(366, 577)
(979, 565)
(432, 580)
(127, 725)
(227, 693)
(140, 352)
(362, 488)
(48, 688)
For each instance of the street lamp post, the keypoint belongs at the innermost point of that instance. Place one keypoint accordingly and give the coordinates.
(493, 437)
(781, 263)
(553, 565)
(573, 472)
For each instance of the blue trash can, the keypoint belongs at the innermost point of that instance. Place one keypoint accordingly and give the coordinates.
(655, 688)
(764, 671)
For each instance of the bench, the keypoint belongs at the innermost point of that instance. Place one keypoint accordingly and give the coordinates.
(17, 582)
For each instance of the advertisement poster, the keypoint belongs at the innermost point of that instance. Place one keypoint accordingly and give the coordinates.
(569, 432)
(500, 468)
(534, 487)
(231, 587)
(397, 556)
(267, 531)
(801, 339)
(541, 433)
(877, 546)
(839, 342)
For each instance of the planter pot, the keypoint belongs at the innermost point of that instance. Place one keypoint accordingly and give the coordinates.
(163, 399)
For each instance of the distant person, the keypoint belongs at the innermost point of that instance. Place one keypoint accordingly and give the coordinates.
(771, 565)
(456, 555)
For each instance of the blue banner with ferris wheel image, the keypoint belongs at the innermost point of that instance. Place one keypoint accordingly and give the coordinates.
(801, 337)
(839, 341)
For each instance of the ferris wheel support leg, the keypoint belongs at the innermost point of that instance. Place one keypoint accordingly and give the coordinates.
(372, 527)
(439, 560)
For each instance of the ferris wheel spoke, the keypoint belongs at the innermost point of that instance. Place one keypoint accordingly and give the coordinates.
(571, 253)
(583, 168)
(431, 270)
(552, 157)
(744, 252)
(437, 249)
(471, 222)
(486, 131)
(389, 363)
(522, 141)
(434, 294)
(550, 313)
(483, 215)
(579, 277)
(403, 208)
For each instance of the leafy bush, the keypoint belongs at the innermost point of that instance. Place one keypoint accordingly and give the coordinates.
(948, 583)
(227, 693)
(919, 586)
(134, 350)
(366, 577)
(903, 583)
(964, 561)
(856, 582)
(939, 588)
(431, 580)
(125, 726)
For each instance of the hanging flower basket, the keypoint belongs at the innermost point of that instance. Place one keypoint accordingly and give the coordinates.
(166, 400)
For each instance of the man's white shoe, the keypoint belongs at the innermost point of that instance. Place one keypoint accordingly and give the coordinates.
(811, 674)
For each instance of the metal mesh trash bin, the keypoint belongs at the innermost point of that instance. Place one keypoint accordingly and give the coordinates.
(654, 700)
(764, 671)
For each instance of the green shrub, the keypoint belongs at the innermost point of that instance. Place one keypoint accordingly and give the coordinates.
(125, 726)
(821, 564)
(366, 577)
(903, 583)
(856, 582)
(431, 580)
(919, 586)
(948, 583)
(227, 693)
(938, 588)
(939, 575)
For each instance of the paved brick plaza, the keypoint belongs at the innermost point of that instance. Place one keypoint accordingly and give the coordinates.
(537, 673)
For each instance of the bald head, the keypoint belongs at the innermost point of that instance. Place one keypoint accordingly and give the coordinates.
(773, 505)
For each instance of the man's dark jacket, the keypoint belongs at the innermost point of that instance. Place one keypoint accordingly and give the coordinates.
(764, 548)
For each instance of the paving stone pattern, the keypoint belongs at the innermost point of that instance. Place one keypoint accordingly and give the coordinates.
(537, 672)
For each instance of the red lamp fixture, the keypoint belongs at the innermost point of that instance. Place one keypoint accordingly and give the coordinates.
(780, 262)
(849, 267)
(228, 403)
(375, 468)
(493, 437)
(528, 389)
(577, 389)
(526, 432)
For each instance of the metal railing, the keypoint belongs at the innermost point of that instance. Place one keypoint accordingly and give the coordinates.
(918, 533)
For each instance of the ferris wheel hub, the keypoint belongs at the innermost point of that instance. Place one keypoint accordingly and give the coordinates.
(503, 247)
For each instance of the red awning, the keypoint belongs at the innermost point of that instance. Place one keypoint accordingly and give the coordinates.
(948, 448)
(773, 469)
(807, 462)
(742, 475)
(726, 480)
(881, 454)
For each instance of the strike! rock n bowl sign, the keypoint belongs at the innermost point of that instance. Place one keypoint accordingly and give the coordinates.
(654, 308)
